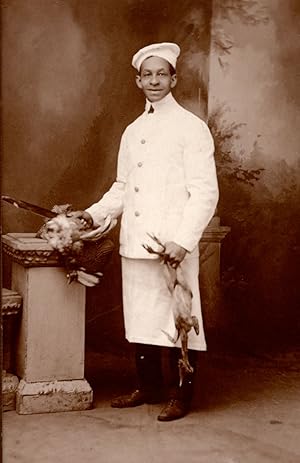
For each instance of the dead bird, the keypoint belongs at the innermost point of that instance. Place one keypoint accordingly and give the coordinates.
(181, 306)
(82, 250)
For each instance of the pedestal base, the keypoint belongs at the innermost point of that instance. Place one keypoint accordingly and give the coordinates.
(9, 388)
(53, 396)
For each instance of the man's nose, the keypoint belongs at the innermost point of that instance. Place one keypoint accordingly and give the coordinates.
(154, 80)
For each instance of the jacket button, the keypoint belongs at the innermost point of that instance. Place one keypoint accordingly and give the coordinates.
(136, 189)
(136, 213)
(140, 164)
(143, 141)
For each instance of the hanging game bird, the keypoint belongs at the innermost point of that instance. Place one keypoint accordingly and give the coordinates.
(181, 307)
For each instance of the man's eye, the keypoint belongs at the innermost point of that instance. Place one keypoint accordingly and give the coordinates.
(161, 73)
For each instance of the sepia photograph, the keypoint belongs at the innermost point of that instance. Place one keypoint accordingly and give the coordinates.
(150, 231)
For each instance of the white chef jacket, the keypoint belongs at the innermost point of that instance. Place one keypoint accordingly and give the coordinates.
(166, 185)
(166, 180)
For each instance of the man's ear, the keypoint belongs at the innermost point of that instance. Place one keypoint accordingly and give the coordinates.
(173, 80)
(138, 81)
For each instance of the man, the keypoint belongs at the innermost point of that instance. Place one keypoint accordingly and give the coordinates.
(166, 185)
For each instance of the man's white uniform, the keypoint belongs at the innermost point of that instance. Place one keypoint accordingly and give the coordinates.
(166, 185)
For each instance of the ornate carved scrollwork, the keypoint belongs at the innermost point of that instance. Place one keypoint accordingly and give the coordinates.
(29, 251)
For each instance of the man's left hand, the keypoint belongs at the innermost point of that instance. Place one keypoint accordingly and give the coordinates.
(174, 254)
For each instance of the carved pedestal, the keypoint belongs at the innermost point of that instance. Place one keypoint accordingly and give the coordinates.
(11, 306)
(50, 347)
(210, 249)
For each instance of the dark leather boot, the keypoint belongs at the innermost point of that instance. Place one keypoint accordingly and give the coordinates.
(174, 410)
(134, 399)
(179, 402)
(181, 396)
(148, 366)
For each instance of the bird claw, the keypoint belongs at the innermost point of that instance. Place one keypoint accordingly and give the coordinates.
(148, 248)
(157, 241)
(72, 276)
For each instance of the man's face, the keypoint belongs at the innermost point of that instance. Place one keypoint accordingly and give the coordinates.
(155, 78)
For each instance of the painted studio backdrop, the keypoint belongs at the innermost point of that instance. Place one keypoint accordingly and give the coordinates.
(69, 92)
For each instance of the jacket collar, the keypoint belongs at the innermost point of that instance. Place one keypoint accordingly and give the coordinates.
(166, 103)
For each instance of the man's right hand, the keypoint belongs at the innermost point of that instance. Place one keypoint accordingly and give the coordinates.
(85, 218)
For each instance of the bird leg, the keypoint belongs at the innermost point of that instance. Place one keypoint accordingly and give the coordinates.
(183, 364)
(196, 324)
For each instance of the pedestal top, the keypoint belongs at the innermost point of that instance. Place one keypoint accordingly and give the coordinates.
(215, 232)
(28, 250)
(26, 242)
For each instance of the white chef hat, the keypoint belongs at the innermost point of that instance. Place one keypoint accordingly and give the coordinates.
(166, 50)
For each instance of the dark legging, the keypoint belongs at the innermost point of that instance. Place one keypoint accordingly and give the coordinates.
(148, 365)
(149, 369)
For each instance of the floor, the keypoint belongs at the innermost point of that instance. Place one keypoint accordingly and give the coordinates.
(245, 410)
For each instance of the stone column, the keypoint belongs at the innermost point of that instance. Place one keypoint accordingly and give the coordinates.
(11, 307)
(51, 341)
(210, 250)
